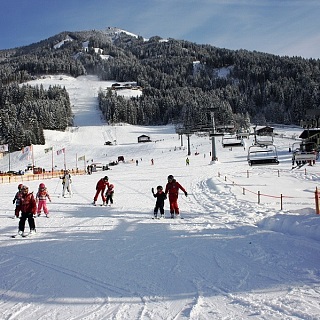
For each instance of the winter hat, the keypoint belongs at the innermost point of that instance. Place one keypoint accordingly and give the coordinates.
(159, 188)
(170, 177)
(42, 186)
(106, 178)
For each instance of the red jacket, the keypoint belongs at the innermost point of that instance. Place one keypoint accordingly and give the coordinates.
(173, 189)
(28, 204)
(101, 184)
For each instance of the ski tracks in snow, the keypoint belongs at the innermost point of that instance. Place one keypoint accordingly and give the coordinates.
(215, 199)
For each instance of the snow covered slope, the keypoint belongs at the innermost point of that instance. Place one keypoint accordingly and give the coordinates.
(229, 258)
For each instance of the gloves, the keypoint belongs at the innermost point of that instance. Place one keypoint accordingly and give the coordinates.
(17, 215)
(186, 193)
(13, 201)
(152, 190)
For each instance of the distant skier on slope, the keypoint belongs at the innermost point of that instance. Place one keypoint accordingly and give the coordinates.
(172, 188)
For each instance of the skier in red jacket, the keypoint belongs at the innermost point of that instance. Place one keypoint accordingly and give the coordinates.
(100, 188)
(28, 208)
(172, 188)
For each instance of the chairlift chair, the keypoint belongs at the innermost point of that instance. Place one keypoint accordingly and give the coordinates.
(231, 141)
(262, 155)
(264, 140)
(304, 152)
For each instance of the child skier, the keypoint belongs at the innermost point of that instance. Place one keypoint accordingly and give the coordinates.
(109, 194)
(17, 200)
(41, 199)
(161, 196)
(28, 210)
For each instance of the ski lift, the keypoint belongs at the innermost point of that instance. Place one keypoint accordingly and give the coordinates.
(231, 141)
(262, 155)
(264, 140)
(304, 152)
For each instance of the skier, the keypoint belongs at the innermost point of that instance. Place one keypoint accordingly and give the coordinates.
(41, 199)
(172, 188)
(66, 183)
(28, 210)
(100, 188)
(109, 194)
(17, 200)
(161, 196)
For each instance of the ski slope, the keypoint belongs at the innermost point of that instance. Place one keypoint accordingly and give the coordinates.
(229, 258)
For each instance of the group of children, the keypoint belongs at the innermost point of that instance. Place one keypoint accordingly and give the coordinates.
(41, 199)
(106, 190)
(27, 206)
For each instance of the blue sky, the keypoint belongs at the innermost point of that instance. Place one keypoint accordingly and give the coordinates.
(281, 27)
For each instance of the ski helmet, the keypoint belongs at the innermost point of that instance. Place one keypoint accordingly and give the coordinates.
(42, 186)
(20, 186)
(111, 186)
(170, 177)
(106, 178)
(159, 188)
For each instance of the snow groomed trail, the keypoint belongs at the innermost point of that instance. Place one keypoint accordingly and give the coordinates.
(229, 258)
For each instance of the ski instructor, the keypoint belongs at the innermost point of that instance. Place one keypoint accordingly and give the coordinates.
(172, 188)
(100, 188)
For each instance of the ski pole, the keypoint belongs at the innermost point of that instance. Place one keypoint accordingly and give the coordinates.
(56, 187)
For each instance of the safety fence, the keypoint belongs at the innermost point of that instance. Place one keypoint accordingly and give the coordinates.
(34, 177)
(279, 198)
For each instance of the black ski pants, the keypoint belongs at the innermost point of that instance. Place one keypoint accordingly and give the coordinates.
(23, 218)
(160, 208)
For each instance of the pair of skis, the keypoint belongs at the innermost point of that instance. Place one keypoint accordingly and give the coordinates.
(23, 235)
(102, 205)
(177, 216)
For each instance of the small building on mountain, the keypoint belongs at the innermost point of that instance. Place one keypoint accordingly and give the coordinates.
(311, 135)
(264, 131)
(144, 138)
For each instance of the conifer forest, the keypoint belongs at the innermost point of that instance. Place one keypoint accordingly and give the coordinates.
(181, 82)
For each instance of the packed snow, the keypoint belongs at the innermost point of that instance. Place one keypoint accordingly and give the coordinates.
(233, 256)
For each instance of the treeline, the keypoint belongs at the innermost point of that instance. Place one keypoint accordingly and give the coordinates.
(265, 87)
(25, 111)
(182, 82)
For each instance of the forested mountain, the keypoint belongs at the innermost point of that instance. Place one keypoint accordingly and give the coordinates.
(182, 82)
